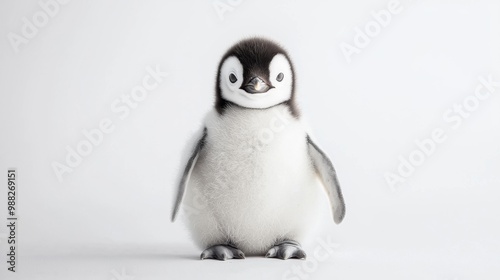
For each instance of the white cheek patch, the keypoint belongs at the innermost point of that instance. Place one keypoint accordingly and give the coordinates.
(231, 66)
(278, 65)
(281, 92)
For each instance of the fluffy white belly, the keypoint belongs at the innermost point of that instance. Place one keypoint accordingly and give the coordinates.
(254, 183)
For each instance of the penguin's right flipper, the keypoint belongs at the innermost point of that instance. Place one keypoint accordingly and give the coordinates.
(186, 174)
(328, 176)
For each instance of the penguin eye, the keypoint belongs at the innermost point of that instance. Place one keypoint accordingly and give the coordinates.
(280, 77)
(232, 78)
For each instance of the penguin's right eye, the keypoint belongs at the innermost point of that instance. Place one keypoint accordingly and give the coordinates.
(232, 78)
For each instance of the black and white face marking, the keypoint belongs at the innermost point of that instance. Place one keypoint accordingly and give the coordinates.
(257, 90)
(255, 73)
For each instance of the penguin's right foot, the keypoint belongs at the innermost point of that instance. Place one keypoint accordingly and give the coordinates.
(222, 252)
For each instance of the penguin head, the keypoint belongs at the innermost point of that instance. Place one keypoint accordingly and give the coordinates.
(257, 74)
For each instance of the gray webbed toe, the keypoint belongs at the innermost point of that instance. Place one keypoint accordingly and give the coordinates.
(222, 252)
(288, 249)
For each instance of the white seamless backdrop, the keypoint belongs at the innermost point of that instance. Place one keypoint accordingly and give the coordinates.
(373, 79)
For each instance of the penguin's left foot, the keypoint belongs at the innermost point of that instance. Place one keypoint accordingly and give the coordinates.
(287, 249)
(222, 252)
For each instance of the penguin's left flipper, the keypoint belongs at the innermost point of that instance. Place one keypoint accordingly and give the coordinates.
(328, 176)
(187, 172)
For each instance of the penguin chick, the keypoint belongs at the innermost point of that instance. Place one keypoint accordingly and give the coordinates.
(254, 178)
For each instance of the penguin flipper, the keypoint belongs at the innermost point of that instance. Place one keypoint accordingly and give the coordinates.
(328, 176)
(186, 174)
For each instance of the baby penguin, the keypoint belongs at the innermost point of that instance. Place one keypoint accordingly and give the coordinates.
(253, 177)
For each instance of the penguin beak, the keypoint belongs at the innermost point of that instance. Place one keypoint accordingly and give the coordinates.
(256, 85)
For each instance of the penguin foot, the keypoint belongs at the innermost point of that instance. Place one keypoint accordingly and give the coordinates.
(222, 252)
(287, 249)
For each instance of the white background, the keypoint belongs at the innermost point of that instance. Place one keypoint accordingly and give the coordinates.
(110, 216)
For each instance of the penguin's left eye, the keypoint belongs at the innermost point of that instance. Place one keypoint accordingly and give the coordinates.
(232, 78)
(280, 77)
